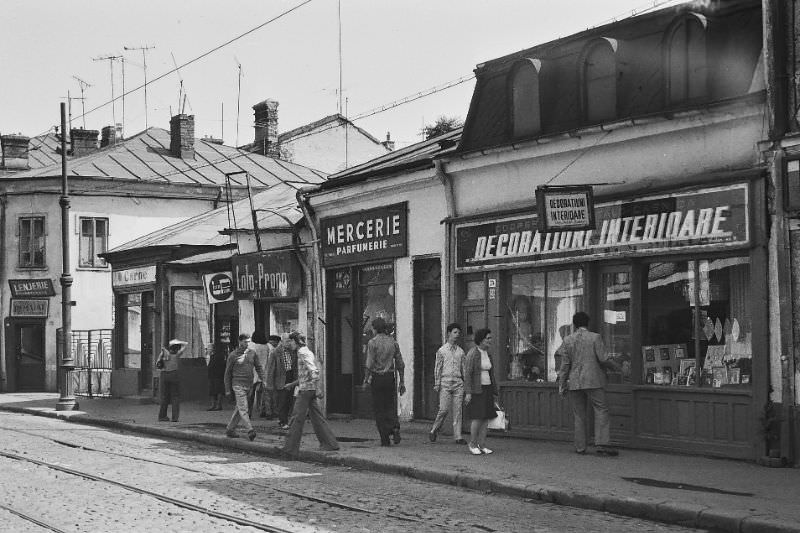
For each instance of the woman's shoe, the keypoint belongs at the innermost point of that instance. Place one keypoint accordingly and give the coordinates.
(474, 450)
(486, 451)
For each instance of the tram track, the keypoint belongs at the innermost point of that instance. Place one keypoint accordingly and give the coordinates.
(31, 519)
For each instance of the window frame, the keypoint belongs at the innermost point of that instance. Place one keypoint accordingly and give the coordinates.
(32, 266)
(103, 264)
(513, 86)
(672, 32)
(585, 94)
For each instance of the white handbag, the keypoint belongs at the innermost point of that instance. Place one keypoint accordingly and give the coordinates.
(500, 421)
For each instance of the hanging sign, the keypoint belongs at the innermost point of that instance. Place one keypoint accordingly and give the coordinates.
(30, 307)
(267, 275)
(711, 217)
(133, 276)
(365, 236)
(27, 288)
(219, 287)
(565, 208)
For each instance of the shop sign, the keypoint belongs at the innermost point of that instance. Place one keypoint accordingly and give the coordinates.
(365, 236)
(39, 308)
(27, 288)
(219, 287)
(565, 208)
(133, 276)
(716, 217)
(267, 275)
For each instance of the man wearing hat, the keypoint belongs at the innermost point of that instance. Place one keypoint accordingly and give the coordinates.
(169, 382)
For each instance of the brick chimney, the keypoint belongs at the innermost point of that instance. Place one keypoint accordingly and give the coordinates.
(266, 139)
(15, 152)
(108, 136)
(388, 143)
(84, 142)
(181, 136)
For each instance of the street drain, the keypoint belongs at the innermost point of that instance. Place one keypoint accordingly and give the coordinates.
(682, 486)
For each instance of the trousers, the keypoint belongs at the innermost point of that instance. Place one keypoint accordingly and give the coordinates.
(240, 393)
(307, 405)
(597, 398)
(170, 392)
(451, 398)
(384, 397)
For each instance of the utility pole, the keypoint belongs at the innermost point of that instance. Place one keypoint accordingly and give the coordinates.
(83, 85)
(144, 50)
(111, 60)
(66, 399)
(122, 131)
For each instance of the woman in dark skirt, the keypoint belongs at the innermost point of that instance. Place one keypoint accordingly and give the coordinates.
(480, 391)
(216, 380)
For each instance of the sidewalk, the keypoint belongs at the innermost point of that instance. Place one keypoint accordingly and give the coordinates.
(693, 491)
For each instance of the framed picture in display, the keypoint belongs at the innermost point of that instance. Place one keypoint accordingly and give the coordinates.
(649, 353)
(664, 353)
(680, 351)
(734, 376)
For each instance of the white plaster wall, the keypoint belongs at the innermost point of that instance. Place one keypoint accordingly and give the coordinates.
(324, 150)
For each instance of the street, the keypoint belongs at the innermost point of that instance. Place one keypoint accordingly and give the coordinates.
(58, 476)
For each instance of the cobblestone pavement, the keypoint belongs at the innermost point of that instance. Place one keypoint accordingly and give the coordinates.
(141, 483)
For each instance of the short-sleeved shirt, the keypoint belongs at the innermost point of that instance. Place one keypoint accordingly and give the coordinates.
(383, 355)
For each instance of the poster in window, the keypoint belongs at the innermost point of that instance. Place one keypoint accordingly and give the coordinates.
(714, 356)
(680, 351)
(734, 376)
(686, 371)
(649, 353)
(719, 377)
(664, 353)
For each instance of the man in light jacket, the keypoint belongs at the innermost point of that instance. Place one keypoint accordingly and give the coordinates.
(581, 373)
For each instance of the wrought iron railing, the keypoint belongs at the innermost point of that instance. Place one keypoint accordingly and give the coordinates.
(91, 354)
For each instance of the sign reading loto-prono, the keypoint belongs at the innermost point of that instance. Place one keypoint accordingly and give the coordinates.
(365, 236)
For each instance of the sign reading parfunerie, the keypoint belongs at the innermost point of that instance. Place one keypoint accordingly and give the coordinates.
(716, 216)
(365, 236)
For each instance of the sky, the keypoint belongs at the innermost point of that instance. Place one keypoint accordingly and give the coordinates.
(390, 51)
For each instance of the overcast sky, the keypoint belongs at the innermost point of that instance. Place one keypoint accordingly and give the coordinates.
(390, 50)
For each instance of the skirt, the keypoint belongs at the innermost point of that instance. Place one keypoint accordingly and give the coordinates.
(216, 386)
(481, 407)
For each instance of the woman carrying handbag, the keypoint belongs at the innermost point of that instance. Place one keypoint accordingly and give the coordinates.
(480, 391)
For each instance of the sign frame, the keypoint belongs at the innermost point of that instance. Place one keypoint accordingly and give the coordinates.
(267, 276)
(217, 280)
(546, 194)
(365, 236)
(18, 291)
(16, 311)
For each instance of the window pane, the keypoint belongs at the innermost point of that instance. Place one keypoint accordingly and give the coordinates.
(283, 317)
(615, 298)
(25, 227)
(191, 321)
(525, 100)
(601, 84)
(525, 324)
(100, 241)
(132, 336)
(475, 290)
(564, 299)
(85, 242)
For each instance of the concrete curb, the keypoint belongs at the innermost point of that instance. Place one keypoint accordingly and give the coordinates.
(687, 515)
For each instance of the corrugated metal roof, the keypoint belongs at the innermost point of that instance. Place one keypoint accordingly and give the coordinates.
(43, 151)
(146, 157)
(276, 208)
(419, 153)
(206, 257)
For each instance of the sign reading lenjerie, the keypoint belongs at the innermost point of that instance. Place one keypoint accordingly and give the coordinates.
(133, 276)
(267, 275)
(30, 308)
(26, 288)
(716, 216)
(365, 236)
(565, 208)
(219, 287)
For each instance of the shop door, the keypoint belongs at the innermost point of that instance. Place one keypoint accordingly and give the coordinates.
(427, 334)
(30, 357)
(340, 366)
(148, 326)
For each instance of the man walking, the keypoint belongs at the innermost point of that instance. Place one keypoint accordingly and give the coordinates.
(581, 372)
(448, 381)
(383, 360)
(271, 388)
(238, 381)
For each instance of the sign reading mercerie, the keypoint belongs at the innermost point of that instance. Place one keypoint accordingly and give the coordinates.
(565, 208)
(364, 236)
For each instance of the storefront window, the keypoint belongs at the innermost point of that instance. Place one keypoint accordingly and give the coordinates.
(538, 316)
(191, 323)
(131, 311)
(615, 300)
(283, 317)
(697, 324)
(376, 295)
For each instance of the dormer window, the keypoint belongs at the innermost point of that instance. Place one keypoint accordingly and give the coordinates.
(525, 105)
(599, 75)
(686, 61)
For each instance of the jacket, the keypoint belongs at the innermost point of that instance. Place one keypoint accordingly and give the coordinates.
(276, 370)
(472, 372)
(239, 368)
(583, 357)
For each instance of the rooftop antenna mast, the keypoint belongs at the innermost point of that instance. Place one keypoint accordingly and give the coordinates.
(238, 98)
(83, 85)
(181, 92)
(111, 60)
(70, 98)
(144, 50)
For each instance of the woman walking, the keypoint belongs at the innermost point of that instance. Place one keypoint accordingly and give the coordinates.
(480, 391)
(238, 380)
(306, 403)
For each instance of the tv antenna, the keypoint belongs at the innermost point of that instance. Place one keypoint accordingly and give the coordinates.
(238, 98)
(144, 50)
(111, 59)
(83, 85)
(182, 93)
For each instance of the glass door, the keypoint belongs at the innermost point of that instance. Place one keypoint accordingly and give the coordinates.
(615, 308)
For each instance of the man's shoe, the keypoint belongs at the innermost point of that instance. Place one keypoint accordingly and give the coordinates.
(486, 451)
(461, 441)
(609, 452)
(432, 436)
(251, 434)
(580, 452)
(396, 435)
(283, 426)
(231, 435)
(163, 419)
(474, 450)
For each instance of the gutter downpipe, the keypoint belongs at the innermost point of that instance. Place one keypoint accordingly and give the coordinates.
(3, 354)
(450, 203)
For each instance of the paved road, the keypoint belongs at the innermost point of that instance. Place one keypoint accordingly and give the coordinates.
(80, 478)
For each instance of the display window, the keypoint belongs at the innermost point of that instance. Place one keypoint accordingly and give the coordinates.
(376, 299)
(283, 317)
(538, 314)
(192, 322)
(131, 311)
(615, 301)
(696, 323)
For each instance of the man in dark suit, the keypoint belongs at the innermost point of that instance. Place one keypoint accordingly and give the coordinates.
(581, 373)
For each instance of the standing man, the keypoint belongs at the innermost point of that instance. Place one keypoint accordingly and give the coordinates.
(284, 370)
(448, 381)
(238, 381)
(581, 373)
(383, 360)
(271, 387)
(170, 383)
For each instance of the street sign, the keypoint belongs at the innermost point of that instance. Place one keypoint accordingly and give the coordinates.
(565, 208)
